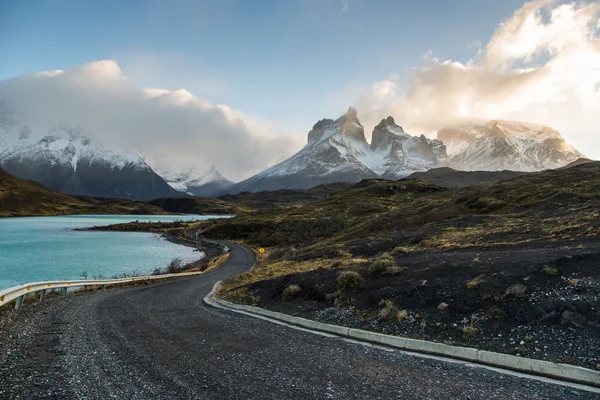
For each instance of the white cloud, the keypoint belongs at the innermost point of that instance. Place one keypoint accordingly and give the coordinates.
(542, 64)
(344, 4)
(173, 126)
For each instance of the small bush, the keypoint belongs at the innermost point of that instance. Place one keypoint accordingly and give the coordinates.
(400, 250)
(389, 312)
(290, 292)
(348, 279)
(175, 265)
(517, 291)
(382, 265)
(158, 271)
(550, 271)
(402, 315)
(475, 282)
(469, 331)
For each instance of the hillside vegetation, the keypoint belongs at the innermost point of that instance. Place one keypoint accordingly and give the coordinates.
(376, 215)
(19, 197)
(511, 267)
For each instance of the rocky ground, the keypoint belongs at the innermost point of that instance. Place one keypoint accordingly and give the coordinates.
(465, 297)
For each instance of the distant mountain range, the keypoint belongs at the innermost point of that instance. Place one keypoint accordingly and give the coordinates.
(337, 151)
(196, 181)
(72, 161)
(505, 145)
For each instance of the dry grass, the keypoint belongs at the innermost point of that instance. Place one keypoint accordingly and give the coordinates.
(476, 282)
(518, 291)
(383, 265)
(290, 292)
(348, 279)
(215, 263)
(550, 271)
(268, 270)
(469, 331)
(389, 312)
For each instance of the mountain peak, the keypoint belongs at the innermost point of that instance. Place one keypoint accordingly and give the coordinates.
(386, 133)
(386, 122)
(347, 126)
(350, 116)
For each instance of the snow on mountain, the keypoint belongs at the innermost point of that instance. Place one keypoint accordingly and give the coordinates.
(396, 154)
(68, 147)
(333, 154)
(195, 180)
(337, 151)
(69, 160)
(497, 145)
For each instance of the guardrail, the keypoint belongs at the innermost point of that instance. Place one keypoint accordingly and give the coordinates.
(19, 292)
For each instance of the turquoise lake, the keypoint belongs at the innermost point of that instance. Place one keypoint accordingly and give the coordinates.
(47, 248)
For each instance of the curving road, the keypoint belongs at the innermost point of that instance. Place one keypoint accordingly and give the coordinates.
(162, 342)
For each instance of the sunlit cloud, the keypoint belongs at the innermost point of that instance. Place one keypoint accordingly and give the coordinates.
(542, 64)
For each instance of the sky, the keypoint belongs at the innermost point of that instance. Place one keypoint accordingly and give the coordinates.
(260, 73)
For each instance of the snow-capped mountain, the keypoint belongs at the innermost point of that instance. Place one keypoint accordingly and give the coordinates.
(333, 154)
(196, 181)
(68, 160)
(396, 154)
(337, 151)
(505, 145)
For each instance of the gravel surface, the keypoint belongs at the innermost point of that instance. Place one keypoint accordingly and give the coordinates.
(161, 342)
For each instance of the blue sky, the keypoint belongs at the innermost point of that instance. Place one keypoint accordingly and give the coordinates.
(287, 61)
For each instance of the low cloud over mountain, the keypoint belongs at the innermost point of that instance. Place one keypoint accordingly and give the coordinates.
(175, 126)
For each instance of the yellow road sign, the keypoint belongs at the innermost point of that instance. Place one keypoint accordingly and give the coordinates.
(262, 249)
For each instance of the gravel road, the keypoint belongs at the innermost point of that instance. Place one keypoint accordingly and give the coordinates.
(161, 342)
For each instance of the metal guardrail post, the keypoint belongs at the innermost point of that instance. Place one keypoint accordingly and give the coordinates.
(19, 302)
(42, 295)
(64, 290)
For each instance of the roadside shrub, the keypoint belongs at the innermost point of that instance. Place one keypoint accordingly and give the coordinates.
(389, 312)
(382, 265)
(158, 271)
(348, 279)
(476, 282)
(550, 271)
(175, 265)
(469, 331)
(290, 292)
(517, 291)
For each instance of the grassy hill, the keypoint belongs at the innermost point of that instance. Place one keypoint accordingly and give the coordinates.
(20, 197)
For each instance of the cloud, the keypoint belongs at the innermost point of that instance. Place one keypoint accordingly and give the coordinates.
(172, 127)
(344, 4)
(542, 64)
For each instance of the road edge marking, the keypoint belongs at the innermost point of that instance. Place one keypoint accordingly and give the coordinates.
(546, 371)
